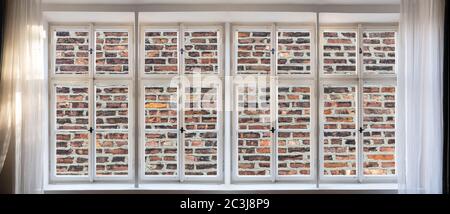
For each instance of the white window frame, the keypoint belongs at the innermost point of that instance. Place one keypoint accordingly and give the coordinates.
(145, 79)
(91, 80)
(358, 79)
(275, 80)
(315, 79)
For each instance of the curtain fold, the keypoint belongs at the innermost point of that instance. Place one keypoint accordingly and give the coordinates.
(420, 113)
(22, 94)
(446, 100)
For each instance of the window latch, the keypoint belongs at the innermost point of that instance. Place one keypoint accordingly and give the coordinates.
(361, 130)
(360, 51)
(91, 51)
(272, 130)
(273, 50)
(182, 50)
(182, 130)
(91, 130)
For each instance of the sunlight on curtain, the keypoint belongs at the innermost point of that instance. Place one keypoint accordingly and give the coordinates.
(420, 90)
(22, 93)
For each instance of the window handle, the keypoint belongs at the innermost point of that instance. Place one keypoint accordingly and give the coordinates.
(91, 51)
(272, 130)
(182, 130)
(273, 50)
(91, 130)
(361, 129)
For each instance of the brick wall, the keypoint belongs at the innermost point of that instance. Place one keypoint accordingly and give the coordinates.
(379, 52)
(339, 52)
(161, 127)
(201, 52)
(161, 52)
(201, 121)
(379, 134)
(339, 130)
(72, 52)
(294, 52)
(72, 123)
(112, 130)
(253, 52)
(294, 115)
(254, 137)
(112, 52)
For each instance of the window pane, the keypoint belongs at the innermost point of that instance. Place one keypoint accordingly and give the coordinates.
(339, 130)
(72, 52)
(339, 52)
(161, 52)
(201, 52)
(111, 52)
(161, 130)
(253, 52)
(294, 52)
(379, 133)
(254, 137)
(294, 115)
(72, 153)
(72, 124)
(112, 130)
(201, 121)
(379, 52)
(161, 153)
(72, 107)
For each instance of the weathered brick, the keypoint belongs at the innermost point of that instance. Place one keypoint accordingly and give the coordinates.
(379, 134)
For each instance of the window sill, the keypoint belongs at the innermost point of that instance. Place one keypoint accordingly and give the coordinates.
(221, 188)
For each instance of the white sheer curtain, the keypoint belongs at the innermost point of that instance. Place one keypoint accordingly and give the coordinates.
(22, 94)
(420, 91)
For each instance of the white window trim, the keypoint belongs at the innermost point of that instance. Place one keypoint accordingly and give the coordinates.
(315, 67)
(180, 77)
(90, 80)
(358, 79)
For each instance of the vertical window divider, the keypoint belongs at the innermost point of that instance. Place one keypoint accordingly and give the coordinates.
(360, 103)
(228, 101)
(92, 140)
(181, 93)
(274, 101)
(136, 92)
(318, 101)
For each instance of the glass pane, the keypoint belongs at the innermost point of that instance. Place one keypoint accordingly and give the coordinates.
(201, 52)
(161, 52)
(339, 52)
(161, 153)
(200, 108)
(112, 107)
(379, 52)
(294, 115)
(72, 107)
(72, 153)
(161, 109)
(339, 130)
(201, 121)
(379, 133)
(111, 153)
(254, 137)
(200, 153)
(253, 52)
(111, 52)
(72, 52)
(112, 129)
(294, 52)
(161, 134)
